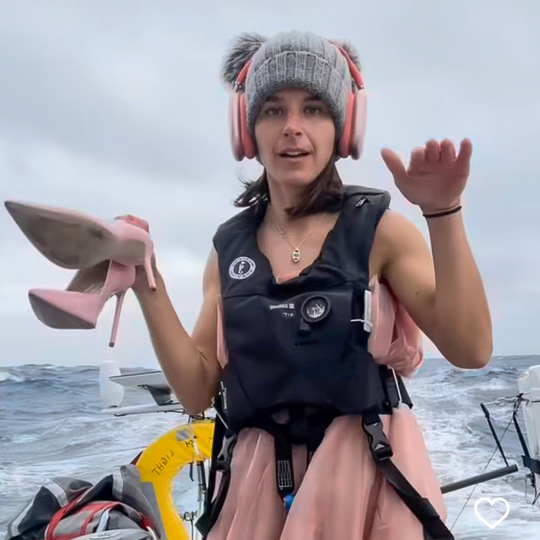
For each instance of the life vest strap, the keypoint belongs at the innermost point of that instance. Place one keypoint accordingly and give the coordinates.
(307, 426)
(381, 450)
(213, 506)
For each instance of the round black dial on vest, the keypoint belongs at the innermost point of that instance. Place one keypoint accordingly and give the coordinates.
(315, 309)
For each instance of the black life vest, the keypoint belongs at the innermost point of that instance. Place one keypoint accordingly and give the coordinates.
(302, 342)
(299, 348)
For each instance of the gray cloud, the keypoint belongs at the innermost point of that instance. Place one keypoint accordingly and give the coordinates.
(115, 107)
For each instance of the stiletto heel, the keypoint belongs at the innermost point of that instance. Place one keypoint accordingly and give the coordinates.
(76, 241)
(119, 302)
(79, 306)
(150, 273)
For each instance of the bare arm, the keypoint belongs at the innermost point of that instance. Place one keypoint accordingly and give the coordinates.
(189, 363)
(444, 295)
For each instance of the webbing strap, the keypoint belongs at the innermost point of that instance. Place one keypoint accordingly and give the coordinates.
(381, 450)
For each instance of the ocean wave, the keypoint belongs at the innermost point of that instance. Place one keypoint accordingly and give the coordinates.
(53, 427)
(6, 376)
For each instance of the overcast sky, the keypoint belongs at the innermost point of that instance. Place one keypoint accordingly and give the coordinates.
(115, 106)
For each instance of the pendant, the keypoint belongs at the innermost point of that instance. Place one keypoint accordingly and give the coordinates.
(296, 256)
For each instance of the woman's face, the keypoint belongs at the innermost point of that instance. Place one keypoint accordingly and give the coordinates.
(295, 137)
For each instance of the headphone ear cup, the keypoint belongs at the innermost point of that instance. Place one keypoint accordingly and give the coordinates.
(234, 126)
(248, 146)
(358, 131)
(344, 143)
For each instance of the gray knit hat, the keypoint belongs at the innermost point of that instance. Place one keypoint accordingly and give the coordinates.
(291, 60)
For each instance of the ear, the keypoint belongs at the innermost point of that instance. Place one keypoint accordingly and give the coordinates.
(242, 49)
(351, 51)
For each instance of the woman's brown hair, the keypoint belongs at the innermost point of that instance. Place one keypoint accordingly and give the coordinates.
(324, 194)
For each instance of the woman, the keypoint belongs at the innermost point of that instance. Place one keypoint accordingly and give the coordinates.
(286, 323)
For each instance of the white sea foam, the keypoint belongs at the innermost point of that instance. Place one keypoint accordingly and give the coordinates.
(7, 376)
(76, 440)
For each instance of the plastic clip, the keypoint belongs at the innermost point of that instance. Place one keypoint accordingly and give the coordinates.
(378, 443)
(223, 461)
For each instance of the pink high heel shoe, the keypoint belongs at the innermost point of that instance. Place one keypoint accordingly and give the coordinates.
(74, 240)
(81, 303)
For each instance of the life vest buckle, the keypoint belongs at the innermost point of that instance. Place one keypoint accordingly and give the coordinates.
(223, 461)
(378, 443)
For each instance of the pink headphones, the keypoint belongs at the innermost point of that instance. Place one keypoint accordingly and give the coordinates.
(351, 141)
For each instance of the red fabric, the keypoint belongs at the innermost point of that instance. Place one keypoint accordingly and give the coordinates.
(96, 506)
(61, 514)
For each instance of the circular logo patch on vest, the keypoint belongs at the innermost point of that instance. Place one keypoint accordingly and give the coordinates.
(242, 268)
(315, 308)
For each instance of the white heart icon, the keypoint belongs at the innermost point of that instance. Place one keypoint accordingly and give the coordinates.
(492, 502)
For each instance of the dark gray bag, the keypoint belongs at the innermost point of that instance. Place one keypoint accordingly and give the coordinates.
(67, 508)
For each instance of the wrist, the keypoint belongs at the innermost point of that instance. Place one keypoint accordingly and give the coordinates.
(144, 293)
(432, 213)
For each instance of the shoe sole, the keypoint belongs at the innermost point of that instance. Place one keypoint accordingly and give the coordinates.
(73, 242)
(53, 317)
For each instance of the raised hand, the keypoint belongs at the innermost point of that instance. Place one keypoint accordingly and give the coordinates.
(436, 176)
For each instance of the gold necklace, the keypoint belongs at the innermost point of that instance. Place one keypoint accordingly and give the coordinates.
(296, 254)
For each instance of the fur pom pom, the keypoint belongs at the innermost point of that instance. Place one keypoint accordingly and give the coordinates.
(242, 49)
(351, 51)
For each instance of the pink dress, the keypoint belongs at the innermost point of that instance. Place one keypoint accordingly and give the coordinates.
(341, 495)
